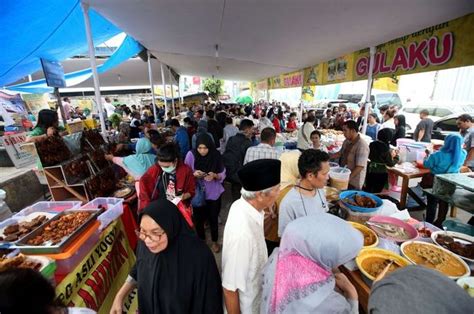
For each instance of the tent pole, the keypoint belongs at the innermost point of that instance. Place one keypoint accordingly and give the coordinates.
(95, 75)
(150, 76)
(369, 89)
(164, 90)
(179, 92)
(172, 92)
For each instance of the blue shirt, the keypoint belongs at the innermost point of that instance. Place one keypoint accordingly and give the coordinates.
(182, 139)
(372, 131)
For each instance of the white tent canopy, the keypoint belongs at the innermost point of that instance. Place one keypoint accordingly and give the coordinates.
(258, 39)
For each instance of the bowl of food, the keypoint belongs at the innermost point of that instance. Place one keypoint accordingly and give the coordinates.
(392, 228)
(425, 230)
(460, 244)
(372, 261)
(467, 283)
(370, 237)
(435, 257)
(359, 201)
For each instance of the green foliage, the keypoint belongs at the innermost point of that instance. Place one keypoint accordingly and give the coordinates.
(213, 87)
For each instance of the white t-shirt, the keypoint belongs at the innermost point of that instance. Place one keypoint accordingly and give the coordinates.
(304, 141)
(244, 254)
(109, 108)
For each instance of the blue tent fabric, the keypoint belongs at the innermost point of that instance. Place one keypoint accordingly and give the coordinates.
(129, 48)
(52, 29)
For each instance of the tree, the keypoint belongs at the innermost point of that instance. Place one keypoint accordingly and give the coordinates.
(213, 87)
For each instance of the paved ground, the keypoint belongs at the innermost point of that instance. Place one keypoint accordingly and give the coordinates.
(7, 173)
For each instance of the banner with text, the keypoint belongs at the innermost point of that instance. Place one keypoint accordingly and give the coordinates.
(97, 279)
(443, 46)
(338, 70)
(13, 145)
(313, 75)
(292, 79)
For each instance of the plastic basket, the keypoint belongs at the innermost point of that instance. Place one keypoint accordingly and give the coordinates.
(52, 207)
(113, 209)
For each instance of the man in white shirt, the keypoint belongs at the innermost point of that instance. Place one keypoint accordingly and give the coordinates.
(244, 252)
(265, 149)
(108, 107)
(307, 197)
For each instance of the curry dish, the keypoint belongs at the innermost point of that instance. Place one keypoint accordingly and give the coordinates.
(375, 265)
(435, 258)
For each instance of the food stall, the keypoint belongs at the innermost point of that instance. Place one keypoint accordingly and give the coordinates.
(85, 250)
(392, 239)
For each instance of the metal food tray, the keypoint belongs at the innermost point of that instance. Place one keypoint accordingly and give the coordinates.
(59, 247)
(17, 220)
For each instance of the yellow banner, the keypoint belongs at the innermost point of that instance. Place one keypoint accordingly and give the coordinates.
(386, 83)
(292, 79)
(313, 75)
(97, 279)
(262, 84)
(307, 93)
(443, 46)
(338, 70)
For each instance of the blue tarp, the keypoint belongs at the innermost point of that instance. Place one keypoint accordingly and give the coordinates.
(52, 29)
(129, 48)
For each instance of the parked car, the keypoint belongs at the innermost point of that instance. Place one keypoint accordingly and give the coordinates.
(378, 98)
(436, 110)
(443, 126)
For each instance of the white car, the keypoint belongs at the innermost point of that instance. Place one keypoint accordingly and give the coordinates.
(436, 110)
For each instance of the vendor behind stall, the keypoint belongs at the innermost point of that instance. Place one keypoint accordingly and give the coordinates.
(47, 125)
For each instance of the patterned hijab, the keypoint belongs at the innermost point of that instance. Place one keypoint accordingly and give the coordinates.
(298, 277)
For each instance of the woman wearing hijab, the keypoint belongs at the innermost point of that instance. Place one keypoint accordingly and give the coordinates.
(175, 271)
(310, 249)
(289, 176)
(448, 160)
(201, 129)
(381, 156)
(418, 290)
(136, 165)
(209, 171)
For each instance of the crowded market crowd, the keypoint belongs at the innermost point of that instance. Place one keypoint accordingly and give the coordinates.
(281, 248)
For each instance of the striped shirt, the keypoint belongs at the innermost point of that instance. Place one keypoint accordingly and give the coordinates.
(261, 151)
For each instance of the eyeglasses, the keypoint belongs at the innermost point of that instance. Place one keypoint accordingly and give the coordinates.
(154, 236)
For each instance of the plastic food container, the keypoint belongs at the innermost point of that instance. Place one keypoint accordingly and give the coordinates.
(113, 209)
(351, 193)
(339, 178)
(54, 207)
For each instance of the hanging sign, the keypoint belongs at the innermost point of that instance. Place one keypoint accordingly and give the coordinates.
(313, 75)
(443, 46)
(18, 156)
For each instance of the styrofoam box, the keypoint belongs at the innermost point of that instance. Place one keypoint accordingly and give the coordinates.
(114, 209)
(54, 207)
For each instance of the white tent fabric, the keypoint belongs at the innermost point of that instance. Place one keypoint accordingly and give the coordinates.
(258, 39)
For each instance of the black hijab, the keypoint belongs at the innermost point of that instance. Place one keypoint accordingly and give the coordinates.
(385, 135)
(184, 277)
(212, 162)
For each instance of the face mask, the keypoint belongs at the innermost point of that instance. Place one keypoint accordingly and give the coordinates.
(169, 169)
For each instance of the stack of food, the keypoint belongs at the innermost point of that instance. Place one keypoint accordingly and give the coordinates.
(15, 231)
(52, 151)
(19, 261)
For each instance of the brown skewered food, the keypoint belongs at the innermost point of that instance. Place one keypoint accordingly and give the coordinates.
(52, 151)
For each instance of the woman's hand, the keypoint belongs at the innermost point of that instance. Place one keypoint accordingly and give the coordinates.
(212, 176)
(199, 174)
(109, 157)
(346, 287)
(117, 306)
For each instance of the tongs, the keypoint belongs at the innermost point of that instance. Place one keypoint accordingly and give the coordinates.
(384, 271)
(379, 225)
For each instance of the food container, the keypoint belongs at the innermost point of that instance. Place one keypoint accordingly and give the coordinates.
(462, 263)
(26, 248)
(366, 232)
(458, 237)
(52, 207)
(351, 193)
(427, 225)
(377, 254)
(410, 231)
(339, 178)
(113, 208)
(17, 220)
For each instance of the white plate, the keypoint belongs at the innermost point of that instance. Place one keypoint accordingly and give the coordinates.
(466, 267)
(466, 281)
(459, 237)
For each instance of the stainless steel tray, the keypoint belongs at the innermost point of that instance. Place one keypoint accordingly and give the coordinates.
(58, 247)
(17, 220)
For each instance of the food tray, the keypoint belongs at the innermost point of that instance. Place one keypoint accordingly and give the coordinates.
(56, 248)
(17, 220)
(113, 208)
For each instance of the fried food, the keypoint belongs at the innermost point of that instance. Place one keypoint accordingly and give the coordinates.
(450, 243)
(16, 231)
(360, 201)
(19, 261)
(56, 230)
